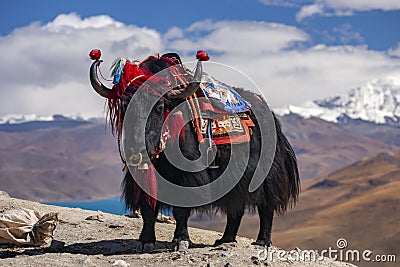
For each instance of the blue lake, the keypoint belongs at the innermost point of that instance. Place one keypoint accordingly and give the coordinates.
(112, 205)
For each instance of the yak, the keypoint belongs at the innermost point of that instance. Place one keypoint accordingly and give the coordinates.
(279, 184)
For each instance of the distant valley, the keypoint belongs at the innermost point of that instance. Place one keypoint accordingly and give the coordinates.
(78, 160)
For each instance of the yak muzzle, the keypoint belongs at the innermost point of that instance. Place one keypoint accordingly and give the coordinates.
(136, 160)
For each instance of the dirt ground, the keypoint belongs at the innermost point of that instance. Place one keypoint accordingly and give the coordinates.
(110, 240)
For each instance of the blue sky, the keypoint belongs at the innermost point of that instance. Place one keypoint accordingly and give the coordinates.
(376, 28)
(294, 50)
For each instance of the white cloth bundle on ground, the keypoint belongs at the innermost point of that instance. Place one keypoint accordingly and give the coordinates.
(25, 227)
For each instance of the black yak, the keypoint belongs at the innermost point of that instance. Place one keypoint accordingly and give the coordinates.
(278, 187)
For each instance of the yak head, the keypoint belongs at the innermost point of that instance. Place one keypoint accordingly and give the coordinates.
(146, 103)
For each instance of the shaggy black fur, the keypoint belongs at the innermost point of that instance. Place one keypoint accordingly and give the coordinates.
(278, 192)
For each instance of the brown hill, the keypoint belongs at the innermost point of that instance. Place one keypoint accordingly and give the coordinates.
(323, 147)
(359, 203)
(56, 164)
(79, 162)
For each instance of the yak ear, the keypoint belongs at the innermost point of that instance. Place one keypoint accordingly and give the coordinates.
(174, 56)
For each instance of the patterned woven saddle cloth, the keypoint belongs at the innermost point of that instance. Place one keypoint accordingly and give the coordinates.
(220, 113)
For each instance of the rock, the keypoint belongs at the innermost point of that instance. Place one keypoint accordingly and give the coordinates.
(4, 195)
(88, 263)
(227, 254)
(165, 219)
(96, 217)
(120, 263)
(115, 224)
(134, 214)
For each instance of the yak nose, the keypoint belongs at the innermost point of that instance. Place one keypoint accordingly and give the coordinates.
(135, 160)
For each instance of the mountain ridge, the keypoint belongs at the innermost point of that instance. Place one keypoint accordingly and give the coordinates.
(377, 101)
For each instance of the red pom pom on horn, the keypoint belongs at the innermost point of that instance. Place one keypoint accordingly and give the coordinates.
(202, 55)
(95, 54)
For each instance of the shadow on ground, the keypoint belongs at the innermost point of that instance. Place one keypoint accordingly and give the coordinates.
(104, 247)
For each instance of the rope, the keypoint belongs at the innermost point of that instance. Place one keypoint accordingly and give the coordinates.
(101, 74)
(119, 145)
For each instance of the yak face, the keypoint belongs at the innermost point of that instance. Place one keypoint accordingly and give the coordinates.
(154, 127)
(147, 113)
(145, 104)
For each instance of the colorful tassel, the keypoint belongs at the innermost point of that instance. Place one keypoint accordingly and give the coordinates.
(117, 68)
(149, 181)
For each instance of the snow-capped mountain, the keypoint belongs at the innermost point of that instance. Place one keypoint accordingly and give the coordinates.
(19, 118)
(377, 101)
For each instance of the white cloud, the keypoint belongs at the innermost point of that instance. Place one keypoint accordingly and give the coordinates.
(52, 60)
(286, 3)
(240, 36)
(334, 7)
(362, 5)
(285, 73)
(395, 51)
(45, 67)
(308, 11)
(347, 35)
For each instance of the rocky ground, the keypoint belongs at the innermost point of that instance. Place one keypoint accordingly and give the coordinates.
(90, 238)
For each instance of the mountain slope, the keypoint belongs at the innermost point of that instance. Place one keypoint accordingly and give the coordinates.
(54, 163)
(359, 203)
(322, 147)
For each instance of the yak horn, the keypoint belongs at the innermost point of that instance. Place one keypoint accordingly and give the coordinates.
(100, 88)
(191, 88)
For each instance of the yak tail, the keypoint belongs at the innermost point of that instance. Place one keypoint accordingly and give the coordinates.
(128, 192)
(287, 171)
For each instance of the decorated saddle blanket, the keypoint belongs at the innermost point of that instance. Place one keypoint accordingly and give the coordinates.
(220, 113)
(228, 128)
(226, 95)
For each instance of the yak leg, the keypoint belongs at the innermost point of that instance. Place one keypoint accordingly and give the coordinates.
(181, 235)
(266, 214)
(232, 226)
(147, 237)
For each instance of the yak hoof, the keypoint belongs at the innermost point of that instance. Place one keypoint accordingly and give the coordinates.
(144, 248)
(139, 247)
(181, 245)
(148, 248)
(263, 243)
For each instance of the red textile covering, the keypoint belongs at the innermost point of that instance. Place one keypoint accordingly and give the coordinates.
(175, 125)
(132, 75)
(149, 181)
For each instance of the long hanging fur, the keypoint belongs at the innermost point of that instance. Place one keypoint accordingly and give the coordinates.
(279, 190)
